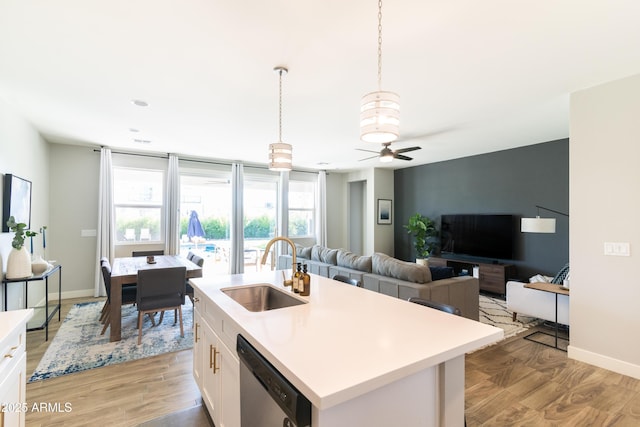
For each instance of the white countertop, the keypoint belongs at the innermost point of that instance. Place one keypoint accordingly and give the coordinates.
(347, 341)
(12, 318)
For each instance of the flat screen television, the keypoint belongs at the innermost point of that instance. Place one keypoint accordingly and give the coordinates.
(483, 235)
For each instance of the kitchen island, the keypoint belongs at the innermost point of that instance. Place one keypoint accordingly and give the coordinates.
(360, 357)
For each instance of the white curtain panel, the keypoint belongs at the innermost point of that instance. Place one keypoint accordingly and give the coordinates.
(105, 235)
(236, 264)
(321, 210)
(173, 206)
(283, 215)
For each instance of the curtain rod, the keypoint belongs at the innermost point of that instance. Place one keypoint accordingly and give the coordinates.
(209, 162)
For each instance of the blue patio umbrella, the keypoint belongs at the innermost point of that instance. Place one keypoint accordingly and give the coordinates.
(194, 229)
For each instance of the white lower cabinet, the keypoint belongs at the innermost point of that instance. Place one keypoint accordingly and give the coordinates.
(216, 368)
(13, 367)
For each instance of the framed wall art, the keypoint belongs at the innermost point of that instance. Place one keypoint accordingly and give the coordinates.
(16, 200)
(384, 211)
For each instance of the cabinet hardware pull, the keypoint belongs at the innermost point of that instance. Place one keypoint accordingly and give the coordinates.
(216, 368)
(211, 357)
(8, 355)
(196, 338)
(196, 299)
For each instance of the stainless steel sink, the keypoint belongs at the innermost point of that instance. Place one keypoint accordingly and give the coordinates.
(261, 297)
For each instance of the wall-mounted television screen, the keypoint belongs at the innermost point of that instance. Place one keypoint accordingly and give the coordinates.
(16, 200)
(484, 235)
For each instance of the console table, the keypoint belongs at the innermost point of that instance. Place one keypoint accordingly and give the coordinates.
(492, 277)
(42, 314)
(554, 289)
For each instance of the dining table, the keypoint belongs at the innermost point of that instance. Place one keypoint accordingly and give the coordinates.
(125, 271)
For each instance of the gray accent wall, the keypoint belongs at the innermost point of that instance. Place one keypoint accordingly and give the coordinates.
(504, 182)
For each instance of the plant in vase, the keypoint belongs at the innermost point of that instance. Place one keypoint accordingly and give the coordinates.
(19, 260)
(424, 233)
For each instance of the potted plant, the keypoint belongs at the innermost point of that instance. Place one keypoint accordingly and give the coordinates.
(423, 230)
(19, 260)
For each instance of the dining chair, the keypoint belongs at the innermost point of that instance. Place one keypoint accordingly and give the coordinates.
(436, 305)
(345, 279)
(190, 255)
(161, 289)
(147, 253)
(128, 294)
(199, 261)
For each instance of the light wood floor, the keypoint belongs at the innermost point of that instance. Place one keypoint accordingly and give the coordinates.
(514, 383)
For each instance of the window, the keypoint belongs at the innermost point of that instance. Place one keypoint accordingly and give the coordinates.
(302, 198)
(206, 199)
(138, 195)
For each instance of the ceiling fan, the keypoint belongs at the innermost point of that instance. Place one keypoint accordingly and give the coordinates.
(387, 154)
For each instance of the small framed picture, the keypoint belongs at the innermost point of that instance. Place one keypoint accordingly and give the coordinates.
(384, 211)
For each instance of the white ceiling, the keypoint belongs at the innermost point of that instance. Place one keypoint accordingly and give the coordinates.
(473, 76)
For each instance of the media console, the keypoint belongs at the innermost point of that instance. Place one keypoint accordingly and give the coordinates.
(492, 277)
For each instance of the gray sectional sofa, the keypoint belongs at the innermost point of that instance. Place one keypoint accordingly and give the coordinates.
(391, 276)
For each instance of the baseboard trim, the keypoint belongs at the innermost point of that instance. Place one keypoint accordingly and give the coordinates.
(605, 362)
(83, 293)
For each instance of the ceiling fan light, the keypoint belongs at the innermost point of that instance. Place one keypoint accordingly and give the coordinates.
(386, 158)
(380, 117)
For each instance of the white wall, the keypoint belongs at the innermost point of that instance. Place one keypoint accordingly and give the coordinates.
(604, 206)
(24, 153)
(379, 185)
(74, 194)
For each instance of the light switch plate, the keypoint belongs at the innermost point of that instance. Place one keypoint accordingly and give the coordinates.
(617, 248)
(88, 233)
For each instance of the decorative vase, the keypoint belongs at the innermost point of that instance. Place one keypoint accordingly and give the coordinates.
(423, 261)
(38, 265)
(19, 264)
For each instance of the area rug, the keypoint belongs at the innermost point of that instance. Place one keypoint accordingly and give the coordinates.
(493, 311)
(78, 345)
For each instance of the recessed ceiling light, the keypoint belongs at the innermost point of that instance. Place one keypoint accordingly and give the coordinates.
(134, 130)
(139, 103)
(142, 141)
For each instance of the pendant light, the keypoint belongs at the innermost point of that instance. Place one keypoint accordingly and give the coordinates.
(280, 152)
(380, 110)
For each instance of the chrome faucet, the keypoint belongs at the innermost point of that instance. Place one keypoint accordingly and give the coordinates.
(293, 252)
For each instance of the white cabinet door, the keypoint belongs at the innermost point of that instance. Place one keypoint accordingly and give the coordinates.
(198, 347)
(230, 386)
(12, 391)
(210, 381)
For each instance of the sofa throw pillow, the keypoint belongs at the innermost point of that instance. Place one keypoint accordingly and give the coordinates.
(384, 265)
(354, 261)
(322, 254)
(303, 252)
(558, 279)
(438, 273)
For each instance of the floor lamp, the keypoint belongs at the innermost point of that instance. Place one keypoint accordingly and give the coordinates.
(540, 225)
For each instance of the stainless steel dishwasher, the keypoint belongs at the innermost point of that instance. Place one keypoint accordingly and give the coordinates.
(268, 399)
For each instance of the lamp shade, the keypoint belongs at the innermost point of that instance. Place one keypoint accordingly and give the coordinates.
(380, 117)
(280, 156)
(538, 225)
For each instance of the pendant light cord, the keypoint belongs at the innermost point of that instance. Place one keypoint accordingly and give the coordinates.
(280, 107)
(379, 45)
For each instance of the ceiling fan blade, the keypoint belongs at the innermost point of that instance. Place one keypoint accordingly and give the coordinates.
(368, 158)
(368, 151)
(401, 157)
(406, 150)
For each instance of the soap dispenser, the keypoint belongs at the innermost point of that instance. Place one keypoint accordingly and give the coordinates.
(306, 281)
(297, 279)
